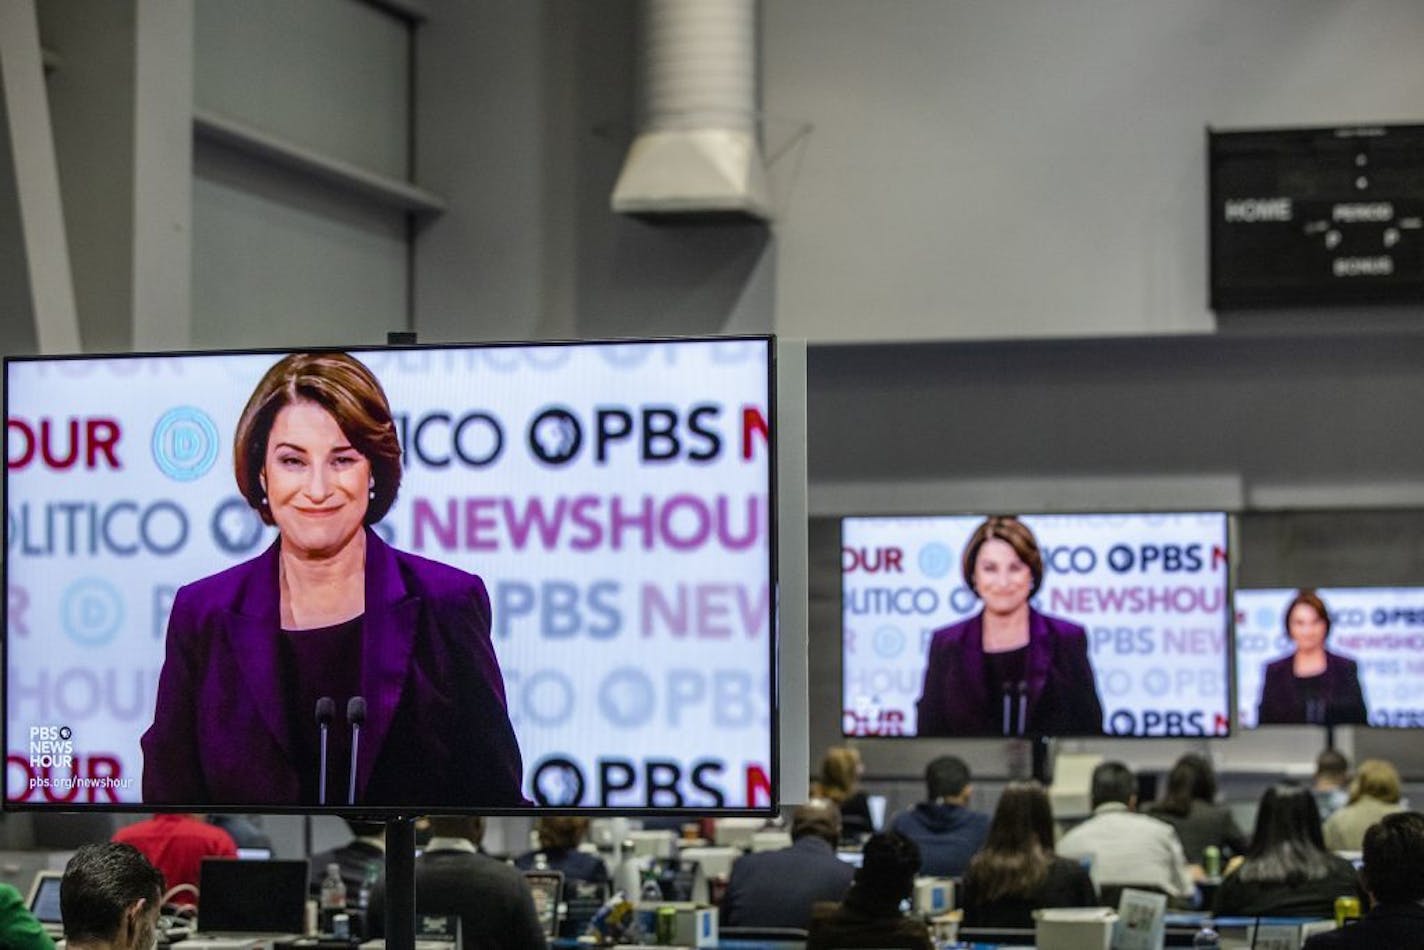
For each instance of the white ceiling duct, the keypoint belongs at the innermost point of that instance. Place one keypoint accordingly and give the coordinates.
(697, 151)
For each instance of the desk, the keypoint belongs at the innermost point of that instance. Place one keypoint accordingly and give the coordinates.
(566, 943)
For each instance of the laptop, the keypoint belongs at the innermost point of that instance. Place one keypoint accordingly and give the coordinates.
(44, 902)
(249, 903)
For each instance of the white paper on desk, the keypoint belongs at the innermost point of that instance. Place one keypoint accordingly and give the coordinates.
(1141, 921)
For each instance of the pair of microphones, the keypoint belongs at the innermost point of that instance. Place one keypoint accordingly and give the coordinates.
(1014, 725)
(356, 717)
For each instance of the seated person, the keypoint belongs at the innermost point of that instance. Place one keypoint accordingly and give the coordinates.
(1127, 849)
(452, 876)
(559, 839)
(1287, 871)
(1374, 793)
(19, 930)
(1190, 808)
(1394, 879)
(176, 845)
(1330, 784)
(362, 861)
(1017, 872)
(778, 888)
(839, 781)
(109, 899)
(870, 915)
(946, 832)
(246, 830)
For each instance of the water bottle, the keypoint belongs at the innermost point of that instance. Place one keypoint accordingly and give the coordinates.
(651, 890)
(1206, 939)
(368, 884)
(333, 897)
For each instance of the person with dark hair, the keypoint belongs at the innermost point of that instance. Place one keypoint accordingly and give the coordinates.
(943, 828)
(1329, 784)
(1190, 807)
(453, 876)
(362, 860)
(177, 845)
(1287, 871)
(1312, 685)
(870, 915)
(778, 888)
(559, 840)
(1374, 793)
(109, 898)
(1008, 670)
(1393, 876)
(839, 780)
(1127, 849)
(1016, 871)
(271, 665)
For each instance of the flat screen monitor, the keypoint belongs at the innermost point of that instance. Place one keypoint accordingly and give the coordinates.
(1117, 625)
(1371, 671)
(476, 579)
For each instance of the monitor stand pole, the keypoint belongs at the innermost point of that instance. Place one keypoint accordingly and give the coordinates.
(400, 883)
(1042, 760)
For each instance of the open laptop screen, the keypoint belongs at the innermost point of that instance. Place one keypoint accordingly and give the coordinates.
(252, 896)
(44, 897)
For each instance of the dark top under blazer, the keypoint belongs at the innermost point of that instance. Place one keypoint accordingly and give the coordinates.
(437, 731)
(1283, 702)
(1062, 694)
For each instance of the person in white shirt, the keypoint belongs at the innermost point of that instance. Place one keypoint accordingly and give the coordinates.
(1125, 848)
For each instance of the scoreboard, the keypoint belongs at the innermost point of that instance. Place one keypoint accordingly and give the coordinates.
(1319, 216)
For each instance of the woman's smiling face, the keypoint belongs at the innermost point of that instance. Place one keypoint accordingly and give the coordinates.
(318, 486)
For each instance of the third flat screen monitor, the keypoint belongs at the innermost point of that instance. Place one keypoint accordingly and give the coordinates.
(1127, 626)
(1373, 664)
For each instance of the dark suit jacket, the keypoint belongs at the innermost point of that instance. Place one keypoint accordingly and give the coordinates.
(1062, 697)
(1282, 701)
(495, 907)
(436, 730)
(1205, 824)
(777, 888)
(1396, 926)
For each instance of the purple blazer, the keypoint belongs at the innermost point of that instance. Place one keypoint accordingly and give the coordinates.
(1340, 699)
(436, 732)
(1060, 697)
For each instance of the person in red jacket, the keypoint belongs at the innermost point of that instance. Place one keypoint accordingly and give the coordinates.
(176, 844)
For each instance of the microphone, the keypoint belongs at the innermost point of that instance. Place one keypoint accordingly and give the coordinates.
(1007, 688)
(356, 715)
(325, 713)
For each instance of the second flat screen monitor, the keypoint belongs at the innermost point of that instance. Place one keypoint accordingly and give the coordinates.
(1124, 631)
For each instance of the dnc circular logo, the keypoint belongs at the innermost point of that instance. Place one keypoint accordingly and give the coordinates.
(935, 560)
(91, 611)
(185, 444)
